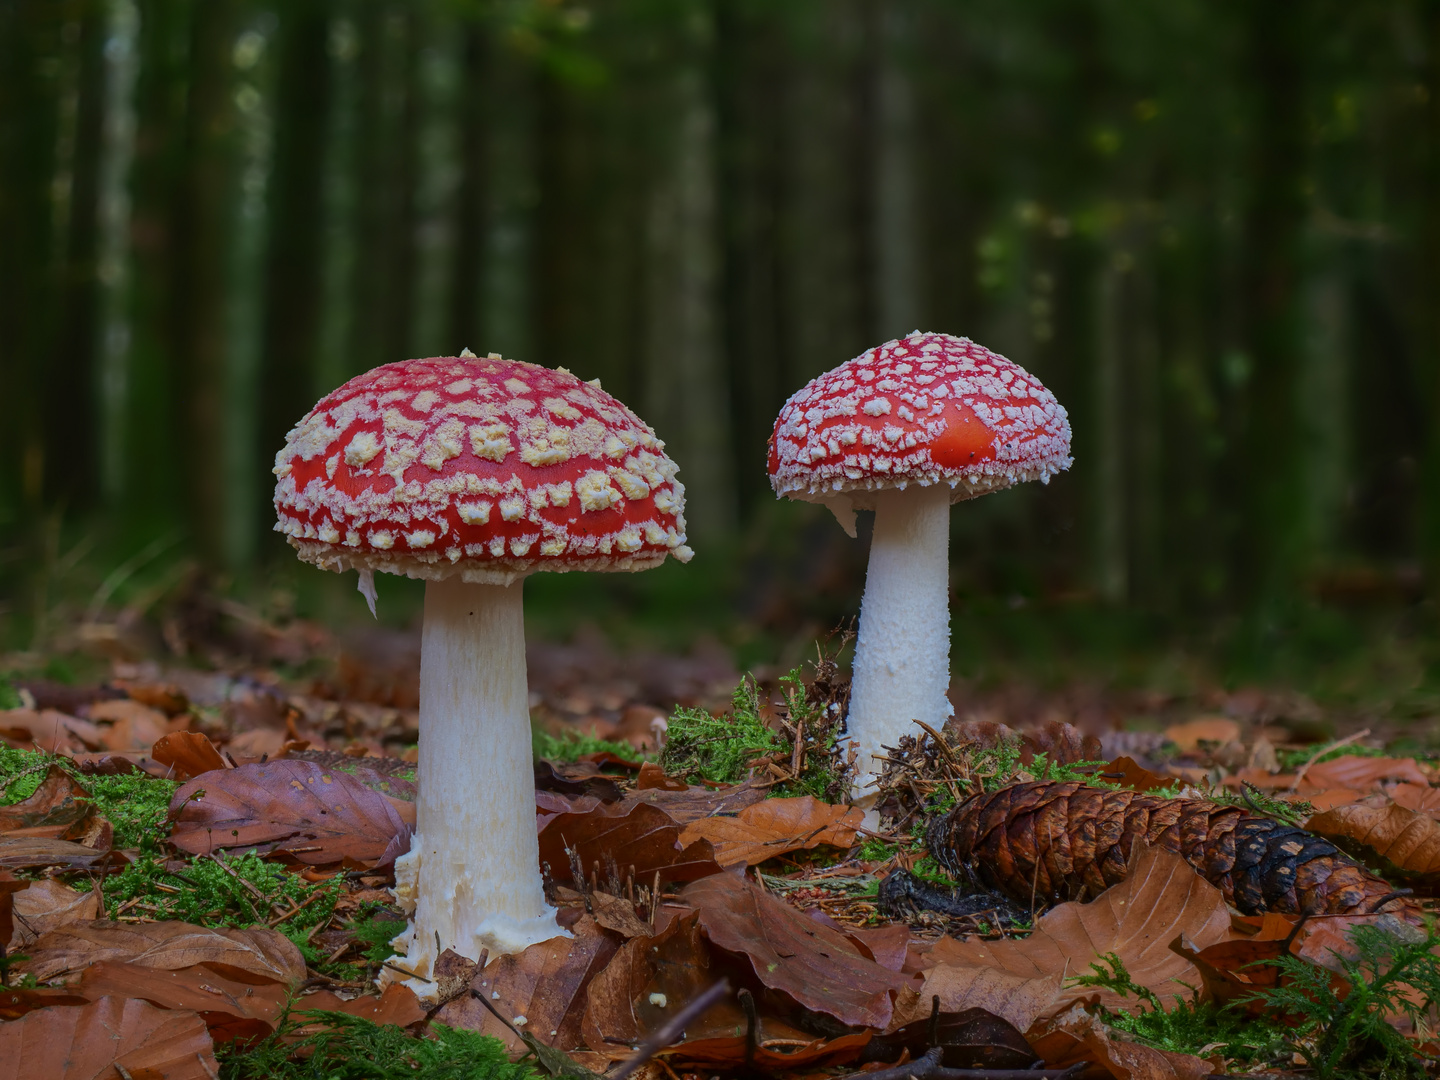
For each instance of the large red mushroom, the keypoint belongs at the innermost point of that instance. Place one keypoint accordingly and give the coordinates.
(905, 429)
(471, 474)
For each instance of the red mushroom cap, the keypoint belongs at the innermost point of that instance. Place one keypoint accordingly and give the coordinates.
(486, 468)
(925, 409)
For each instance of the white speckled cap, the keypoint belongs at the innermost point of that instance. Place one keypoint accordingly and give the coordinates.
(924, 409)
(483, 467)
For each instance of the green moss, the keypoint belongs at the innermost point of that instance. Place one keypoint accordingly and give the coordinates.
(203, 892)
(136, 805)
(572, 745)
(376, 929)
(719, 748)
(352, 1048)
(9, 696)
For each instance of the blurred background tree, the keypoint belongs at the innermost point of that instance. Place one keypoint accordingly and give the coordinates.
(1213, 229)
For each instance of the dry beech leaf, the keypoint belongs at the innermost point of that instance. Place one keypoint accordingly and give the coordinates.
(546, 984)
(1059, 742)
(618, 914)
(1127, 772)
(1362, 773)
(1421, 798)
(187, 754)
(886, 945)
(310, 813)
(89, 1042)
(633, 834)
(1211, 729)
(9, 886)
(970, 1039)
(781, 1055)
(231, 1009)
(820, 968)
(652, 776)
(1160, 898)
(16, 1003)
(48, 905)
(396, 1005)
(247, 955)
(59, 809)
(698, 802)
(775, 827)
(30, 852)
(1017, 999)
(1075, 1035)
(1408, 840)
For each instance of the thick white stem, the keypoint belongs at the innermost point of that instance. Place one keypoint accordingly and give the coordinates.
(475, 849)
(902, 656)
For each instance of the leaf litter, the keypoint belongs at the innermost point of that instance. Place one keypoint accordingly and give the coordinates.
(638, 867)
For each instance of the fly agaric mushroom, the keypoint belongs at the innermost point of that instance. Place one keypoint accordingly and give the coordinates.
(471, 474)
(905, 430)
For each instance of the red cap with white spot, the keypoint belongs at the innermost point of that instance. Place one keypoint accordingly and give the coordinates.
(479, 467)
(925, 409)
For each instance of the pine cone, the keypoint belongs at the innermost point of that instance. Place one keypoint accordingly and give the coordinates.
(1048, 842)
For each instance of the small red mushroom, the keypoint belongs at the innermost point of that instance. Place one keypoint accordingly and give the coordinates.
(471, 474)
(906, 429)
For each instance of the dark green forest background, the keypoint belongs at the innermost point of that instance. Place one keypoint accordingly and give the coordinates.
(1212, 227)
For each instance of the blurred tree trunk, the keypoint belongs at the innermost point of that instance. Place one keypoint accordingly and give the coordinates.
(198, 284)
(1266, 468)
(150, 490)
(896, 244)
(71, 417)
(1108, 443)
(685, 395)
(465, 324)
(294, 262)
(1429, 309)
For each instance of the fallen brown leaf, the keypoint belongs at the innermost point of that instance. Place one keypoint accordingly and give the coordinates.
(9, 886)
(16, 1003)
(1363, 773)
(1018, 999)
(310, 813)
(231, 1009)
(698, 802)
(87, 1043)
(1213, 729)
(30, 852)
(127, 724)
(774, 1054)
(818, 967)
(1421, 798)
(1060, 742)
(775, 827)
(247, 955)
(618, 914)
(187, 754)
(395, 1005)
(652, 776)
(50, 730)
(59, 809)
(1160, 898)
(1075, 1036)
(633, 834)
(1127, 772)
(886, 945)
(546, 984)
(47, 905)
(1407, 839)
(969, 1039)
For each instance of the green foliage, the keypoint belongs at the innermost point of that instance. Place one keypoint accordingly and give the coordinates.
(21, 772)
(571, 745)
(1348, 1032)
(9, 696)
(719, 748)
(136, 805)
(353, 1048)
(204, 892)
(376, 929)
(1253, 800)
(1188, 1027)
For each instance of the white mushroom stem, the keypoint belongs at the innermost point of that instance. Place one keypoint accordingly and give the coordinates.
(475, 848)
(902, 655)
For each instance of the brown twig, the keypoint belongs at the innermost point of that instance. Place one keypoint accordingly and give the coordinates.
(297, 909)
(1300, 773)
(672, 1030)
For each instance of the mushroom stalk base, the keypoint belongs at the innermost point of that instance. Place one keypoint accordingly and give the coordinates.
(902, 655)
(474, 862)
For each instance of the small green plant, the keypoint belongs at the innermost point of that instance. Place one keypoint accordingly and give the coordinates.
(353, 1048)
(136, 805)
(1348, 1031)
(572, 745)
(245, 891)
(376, 929)
(719, 748)
(1188, 1027)
(9, 696)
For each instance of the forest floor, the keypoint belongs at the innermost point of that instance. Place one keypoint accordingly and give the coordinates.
(172, 901)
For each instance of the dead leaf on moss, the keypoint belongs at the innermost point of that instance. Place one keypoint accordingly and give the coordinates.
(1127, 772)
(1060, 742)
(30, 853)
(1407, 839)
(1017, 999)
(312, 814)
(775, 827)
(1362, 773)
(48, 905)
(1160, 898)
(395, 1005)
(187, 754)
(59, 809)
(1203, 729)
(231, 1009)
(1075, 1036)
(89, 1042)
(820, 968)
(633, 834)
(247, 955)
(546, 984)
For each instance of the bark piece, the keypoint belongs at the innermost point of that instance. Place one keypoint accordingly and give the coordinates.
(1062, 841)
